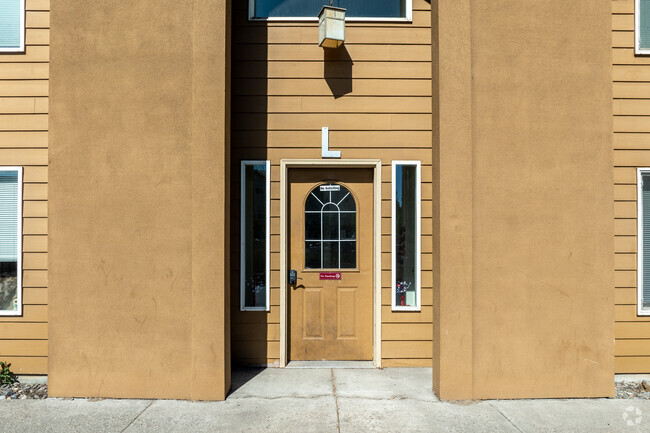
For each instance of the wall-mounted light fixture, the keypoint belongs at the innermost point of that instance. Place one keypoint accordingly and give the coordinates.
(331, 27)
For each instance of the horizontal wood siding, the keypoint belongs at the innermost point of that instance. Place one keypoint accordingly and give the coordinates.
(631, 107)
(375, 96)
(23, 142)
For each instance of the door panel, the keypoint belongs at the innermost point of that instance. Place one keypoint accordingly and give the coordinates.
(331, 231)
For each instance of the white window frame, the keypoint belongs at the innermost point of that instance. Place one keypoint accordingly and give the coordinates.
(407, 19)
(21, 48)
(19, 245)
(637, 33)
(640, 172)
(418, 234)
(242, 271)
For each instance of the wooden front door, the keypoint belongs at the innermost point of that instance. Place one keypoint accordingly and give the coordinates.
(331, 248)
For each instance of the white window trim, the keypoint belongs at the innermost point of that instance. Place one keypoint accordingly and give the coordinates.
(637, 33)
(21, 48)
(242, 271)
(418, 207)
(19, 246)
(407, 19)
(639, 248)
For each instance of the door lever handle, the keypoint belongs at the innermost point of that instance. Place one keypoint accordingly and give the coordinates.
(293, 277)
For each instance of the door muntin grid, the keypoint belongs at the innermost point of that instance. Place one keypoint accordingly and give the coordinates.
(330, 228)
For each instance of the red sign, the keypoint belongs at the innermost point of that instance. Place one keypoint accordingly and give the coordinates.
(330, 275)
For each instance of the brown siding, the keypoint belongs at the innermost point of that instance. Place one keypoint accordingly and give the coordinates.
(631, 149)
(283, 93)
(23, 142)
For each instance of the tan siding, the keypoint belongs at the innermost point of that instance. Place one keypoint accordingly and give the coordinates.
(24, 142)
(282, 96)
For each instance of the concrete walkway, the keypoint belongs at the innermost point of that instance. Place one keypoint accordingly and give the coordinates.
(325, 400)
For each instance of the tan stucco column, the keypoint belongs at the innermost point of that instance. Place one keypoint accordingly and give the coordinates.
(138, 252)
(452, 199)
(523, 199)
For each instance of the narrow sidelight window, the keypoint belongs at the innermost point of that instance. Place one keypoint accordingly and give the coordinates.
(11, 180)
(12, 25)
(643, 208)
(406, 235)
(642, 26)
(255, 235)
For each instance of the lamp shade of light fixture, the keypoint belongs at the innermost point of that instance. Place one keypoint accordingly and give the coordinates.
(331, 27)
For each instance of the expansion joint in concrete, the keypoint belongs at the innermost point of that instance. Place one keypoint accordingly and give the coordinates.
(336, 402)
(506, 417)
(137, 416)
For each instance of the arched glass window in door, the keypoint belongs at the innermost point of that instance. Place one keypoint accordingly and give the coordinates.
(330, 228)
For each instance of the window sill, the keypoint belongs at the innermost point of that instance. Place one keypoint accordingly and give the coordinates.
(352, 20)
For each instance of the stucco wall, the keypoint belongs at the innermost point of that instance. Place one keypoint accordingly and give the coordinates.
(138, 263)
(534, 307)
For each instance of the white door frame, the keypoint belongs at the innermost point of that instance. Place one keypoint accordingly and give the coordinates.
(285, 165)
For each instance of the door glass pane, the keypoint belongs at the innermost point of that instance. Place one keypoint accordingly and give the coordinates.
(254, 233)
(330, 230)
(405, 233)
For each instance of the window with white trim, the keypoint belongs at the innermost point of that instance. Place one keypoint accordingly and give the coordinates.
(11, 199)
(255, 235)
(360, 10)
(12, 25)
(642, 26)
(643, 236)
(405, 249)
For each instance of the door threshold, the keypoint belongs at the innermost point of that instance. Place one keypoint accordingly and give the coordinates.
(330, 364)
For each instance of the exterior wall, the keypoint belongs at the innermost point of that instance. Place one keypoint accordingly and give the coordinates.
(531, 224)
(138, 181)
(24, 142)
(375, 96)
(631, 150)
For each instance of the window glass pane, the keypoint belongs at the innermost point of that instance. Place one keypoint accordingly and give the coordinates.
(9, 215)
(10, 29)
(644, 24)
(312, 255)
(405, 235)
(348, 225)
(329, 230)
(255, 235)
(331, 226)
(348, 255)
(310, 8)
(330, 255)
(645, 202)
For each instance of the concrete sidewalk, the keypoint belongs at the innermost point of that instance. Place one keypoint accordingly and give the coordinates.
(326, 400)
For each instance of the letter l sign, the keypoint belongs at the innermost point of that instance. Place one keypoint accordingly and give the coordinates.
(325, 147)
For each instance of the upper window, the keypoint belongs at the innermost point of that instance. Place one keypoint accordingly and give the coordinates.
(330, 228)
(10, 241)
(12, 25)
(309, 9)
(406, 235)
(255, 235)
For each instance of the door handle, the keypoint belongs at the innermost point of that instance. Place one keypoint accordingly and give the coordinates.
(293, 277)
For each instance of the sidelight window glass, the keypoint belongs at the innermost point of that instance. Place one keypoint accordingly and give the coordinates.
(642, 27)
(643, 221)
(406, 235)
(10, 241)
(255, 235)
(12, 25)
(330, 228)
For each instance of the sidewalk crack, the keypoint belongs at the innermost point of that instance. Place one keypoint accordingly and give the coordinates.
(507, 419)
(336, 401)
(137, 416)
